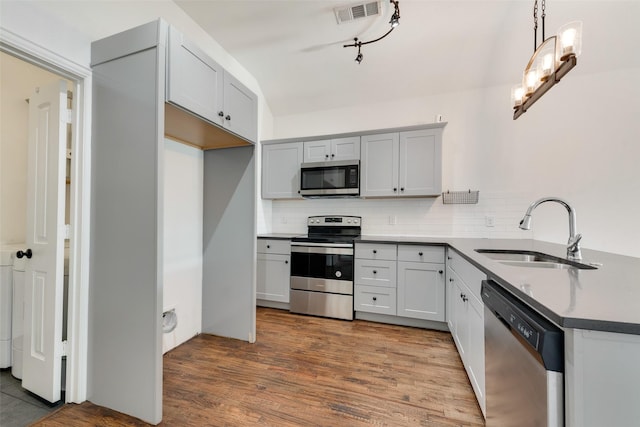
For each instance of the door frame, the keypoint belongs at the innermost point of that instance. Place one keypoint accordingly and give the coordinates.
(80, 207)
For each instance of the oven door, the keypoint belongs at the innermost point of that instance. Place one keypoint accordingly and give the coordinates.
(321, 268)
(340, 178)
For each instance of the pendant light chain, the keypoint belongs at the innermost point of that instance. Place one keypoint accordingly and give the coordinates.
(535, 25)
(543, 15)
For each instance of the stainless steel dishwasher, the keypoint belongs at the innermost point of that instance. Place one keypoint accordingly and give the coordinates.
(524, 363)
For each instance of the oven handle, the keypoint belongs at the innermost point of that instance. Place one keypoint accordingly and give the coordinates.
(320, 248)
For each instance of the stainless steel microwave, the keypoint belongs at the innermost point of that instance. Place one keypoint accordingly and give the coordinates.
(337, 178)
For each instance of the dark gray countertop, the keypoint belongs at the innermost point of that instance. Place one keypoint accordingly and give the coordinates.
(606, 299)
(279, 236)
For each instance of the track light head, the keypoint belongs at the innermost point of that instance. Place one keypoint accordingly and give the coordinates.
(395, 18)
(359, 58)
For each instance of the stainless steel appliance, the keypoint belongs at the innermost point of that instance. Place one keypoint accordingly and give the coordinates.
(337, 178)
(524, 363)
(322, 267)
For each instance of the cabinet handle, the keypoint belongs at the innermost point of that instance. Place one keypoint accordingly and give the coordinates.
(228, 117)
(375, 298)
(220, 113)
(375, 251)
(440, 271)
(420, 253)
(395, 189)
(375, 272)
(448, 257)
(451, 279)
(268, 246)
(333, 155)
(326, 156)
(28, 253)
(464, 297)
(286, 262)
(401, 188)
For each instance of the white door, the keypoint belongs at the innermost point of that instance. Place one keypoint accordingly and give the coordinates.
(43, 293)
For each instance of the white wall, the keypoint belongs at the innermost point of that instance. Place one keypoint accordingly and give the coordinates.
(183, 207)
(579, 142)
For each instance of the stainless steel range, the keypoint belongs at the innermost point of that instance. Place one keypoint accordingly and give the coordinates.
(322, 267)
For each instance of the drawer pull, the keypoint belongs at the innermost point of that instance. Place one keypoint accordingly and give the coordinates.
(440, 271)
(268, 246)
(375, 298)
(449, 258)
(375, 251)
(286, 262)
(451, 279)
(375, 272)
(420, 253)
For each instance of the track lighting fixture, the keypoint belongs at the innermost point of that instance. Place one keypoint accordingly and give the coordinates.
(395, 21)
(359, 56)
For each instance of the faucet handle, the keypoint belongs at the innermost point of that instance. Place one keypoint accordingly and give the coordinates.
(574, 242)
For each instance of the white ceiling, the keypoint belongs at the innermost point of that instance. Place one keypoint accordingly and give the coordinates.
(294, 47)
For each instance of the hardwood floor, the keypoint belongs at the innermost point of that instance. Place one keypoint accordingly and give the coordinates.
(307, 371)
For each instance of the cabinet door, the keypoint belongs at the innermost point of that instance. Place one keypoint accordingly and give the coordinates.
(317, 151)
(272, 277)
(281, 170)
(420, 163)
(421, 290)
(240, 108)
(194, 81)
(345, 148)
(475, 355)
(379, 165)
(461, 324)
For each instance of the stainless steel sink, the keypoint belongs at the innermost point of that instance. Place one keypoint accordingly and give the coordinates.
(531, 259)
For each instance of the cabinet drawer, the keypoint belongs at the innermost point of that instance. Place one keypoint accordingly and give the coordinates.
(274, 246)
(375, 272)
(376, 251)
(468, 273)
(416, 253)
(375, 299)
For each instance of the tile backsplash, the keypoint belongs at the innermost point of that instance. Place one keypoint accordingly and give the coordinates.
(496, 215)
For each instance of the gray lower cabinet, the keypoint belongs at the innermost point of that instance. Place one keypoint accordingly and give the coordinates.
(465, 317)
(273, 270)
(375, 278)
(281, 170)
(421, 288)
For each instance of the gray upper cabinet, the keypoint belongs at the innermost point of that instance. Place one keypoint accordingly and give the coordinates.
(198, 84)
(281, 170)
(402, 164)
(240, 108)
(379, 165)
(327, 150)
(194, 81)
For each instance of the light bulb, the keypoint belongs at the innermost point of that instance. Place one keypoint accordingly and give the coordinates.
(570, 37)
(517, 95)
(531, 81)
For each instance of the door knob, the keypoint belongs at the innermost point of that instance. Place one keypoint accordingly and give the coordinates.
(28, 253)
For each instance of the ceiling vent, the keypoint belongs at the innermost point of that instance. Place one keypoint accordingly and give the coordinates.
(357, 11)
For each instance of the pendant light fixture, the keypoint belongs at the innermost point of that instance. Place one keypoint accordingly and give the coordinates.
(551, 61)
(394, 22)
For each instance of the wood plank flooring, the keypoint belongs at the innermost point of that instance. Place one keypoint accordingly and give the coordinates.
(307, 371)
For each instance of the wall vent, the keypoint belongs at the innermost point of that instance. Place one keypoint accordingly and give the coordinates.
(357, 11)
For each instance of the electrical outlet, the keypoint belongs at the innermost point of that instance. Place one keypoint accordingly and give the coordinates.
(489, 221)
(393, 220)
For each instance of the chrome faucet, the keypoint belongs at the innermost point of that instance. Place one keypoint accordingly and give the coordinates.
(573, 245)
